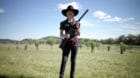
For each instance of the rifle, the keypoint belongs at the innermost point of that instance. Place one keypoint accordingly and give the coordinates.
(63, 42)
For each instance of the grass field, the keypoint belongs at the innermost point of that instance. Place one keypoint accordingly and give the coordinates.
(45, 63)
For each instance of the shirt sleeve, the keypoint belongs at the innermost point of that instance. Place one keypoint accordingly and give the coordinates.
(62, 26)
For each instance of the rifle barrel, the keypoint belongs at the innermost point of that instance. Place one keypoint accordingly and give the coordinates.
(83, 15)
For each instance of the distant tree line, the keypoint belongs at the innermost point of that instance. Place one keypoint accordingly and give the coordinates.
(129, 40)
(123, 41)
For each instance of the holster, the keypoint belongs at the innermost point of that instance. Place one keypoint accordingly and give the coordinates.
(74, 41)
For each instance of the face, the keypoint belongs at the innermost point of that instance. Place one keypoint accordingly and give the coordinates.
(70, 14)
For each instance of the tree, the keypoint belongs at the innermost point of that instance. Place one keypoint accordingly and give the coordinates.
(109, 41)
(108, 48)
(122, 38)
(25, 47)
(122, 47)
(92, 45)
(138, 40)
(98, 44)
(8, 48)
(131, 39)
(51, 42)
(17, 47)
(80, 45)
(87, 43)
(36, 45)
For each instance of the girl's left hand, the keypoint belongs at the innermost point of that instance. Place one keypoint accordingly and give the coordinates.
(77, 24)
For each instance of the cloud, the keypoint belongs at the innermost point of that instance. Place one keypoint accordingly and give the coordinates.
(87, 23)
(76, 5)
(2, 10)
(106, 17)
(132, 27)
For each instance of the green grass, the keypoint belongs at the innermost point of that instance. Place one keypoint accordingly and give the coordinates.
(45, 63)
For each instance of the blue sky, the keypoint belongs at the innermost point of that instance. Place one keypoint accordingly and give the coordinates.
(35, 19)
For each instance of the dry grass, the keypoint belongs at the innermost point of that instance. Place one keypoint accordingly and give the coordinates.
(45, 63)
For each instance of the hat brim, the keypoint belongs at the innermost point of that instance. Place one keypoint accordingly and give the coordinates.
(75, 11)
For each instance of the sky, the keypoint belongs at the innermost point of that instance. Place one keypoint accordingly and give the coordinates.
(20, 19)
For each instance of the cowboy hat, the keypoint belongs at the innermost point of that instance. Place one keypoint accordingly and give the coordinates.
(70, 7)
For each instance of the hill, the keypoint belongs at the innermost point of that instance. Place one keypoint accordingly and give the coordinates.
(7, 41)
(29, 40)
